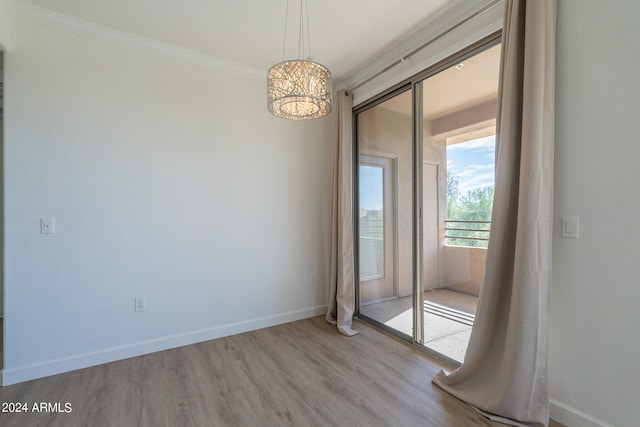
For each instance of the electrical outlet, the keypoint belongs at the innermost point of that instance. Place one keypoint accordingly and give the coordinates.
(140, 304)
(571, 227)
(314, 279)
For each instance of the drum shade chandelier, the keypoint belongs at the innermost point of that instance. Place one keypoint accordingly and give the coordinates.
(299, 89)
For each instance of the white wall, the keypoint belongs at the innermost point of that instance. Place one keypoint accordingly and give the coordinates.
(2, 185)
(168, 181)
(595, 298)
(5, 42)
(4, 45)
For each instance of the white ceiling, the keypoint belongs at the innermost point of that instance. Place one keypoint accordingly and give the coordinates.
(345, 34)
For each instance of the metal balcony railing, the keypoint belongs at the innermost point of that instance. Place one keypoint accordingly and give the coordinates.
(467, 232)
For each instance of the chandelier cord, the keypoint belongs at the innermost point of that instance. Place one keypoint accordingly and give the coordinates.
(303, 48)
(300, 32)
(308, 31)
(286, 22)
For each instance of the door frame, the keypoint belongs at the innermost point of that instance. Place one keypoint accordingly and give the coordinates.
(389, 163)
(413, 84)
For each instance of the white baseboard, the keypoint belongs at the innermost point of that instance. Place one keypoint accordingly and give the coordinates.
(58, 366)
(572, 417)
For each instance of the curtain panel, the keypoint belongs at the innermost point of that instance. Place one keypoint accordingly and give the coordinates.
(504, 373)
(342, 274)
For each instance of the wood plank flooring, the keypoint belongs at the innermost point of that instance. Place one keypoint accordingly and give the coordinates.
(298, 374)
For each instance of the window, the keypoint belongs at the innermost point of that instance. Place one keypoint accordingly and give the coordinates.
(470, 185)
(371, 222)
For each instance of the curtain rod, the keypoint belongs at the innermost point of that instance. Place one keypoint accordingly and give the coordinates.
(427, 43)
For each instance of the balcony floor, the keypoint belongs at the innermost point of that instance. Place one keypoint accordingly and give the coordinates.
(448, 318)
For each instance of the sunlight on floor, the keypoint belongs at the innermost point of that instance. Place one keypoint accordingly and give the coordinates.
(446, 333)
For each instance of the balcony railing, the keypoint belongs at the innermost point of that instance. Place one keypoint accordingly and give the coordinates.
(467, 232)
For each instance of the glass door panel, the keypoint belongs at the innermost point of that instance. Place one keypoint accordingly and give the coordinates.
(385, 217)
(458, 145)
(376, 229)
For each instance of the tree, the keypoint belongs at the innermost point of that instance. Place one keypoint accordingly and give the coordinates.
(453, 192)
(476, 205)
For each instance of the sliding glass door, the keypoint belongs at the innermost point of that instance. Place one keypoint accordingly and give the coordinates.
(385, 214)
(425, 169)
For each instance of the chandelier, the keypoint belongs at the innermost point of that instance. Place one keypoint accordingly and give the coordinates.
(299, 89)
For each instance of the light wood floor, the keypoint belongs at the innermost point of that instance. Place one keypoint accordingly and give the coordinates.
(298, 374)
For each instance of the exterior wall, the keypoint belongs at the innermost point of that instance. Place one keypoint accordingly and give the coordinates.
(464, 269)
(434, 208)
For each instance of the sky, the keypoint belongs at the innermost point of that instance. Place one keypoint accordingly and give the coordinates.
(371, 187)
(474, 163)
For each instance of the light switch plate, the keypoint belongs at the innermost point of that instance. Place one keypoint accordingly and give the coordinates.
(571, 227)
(47, 226)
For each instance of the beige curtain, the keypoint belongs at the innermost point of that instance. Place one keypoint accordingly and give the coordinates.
(504, 373)
(342, 276)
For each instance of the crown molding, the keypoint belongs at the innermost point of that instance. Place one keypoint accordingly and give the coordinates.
(123, 38)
